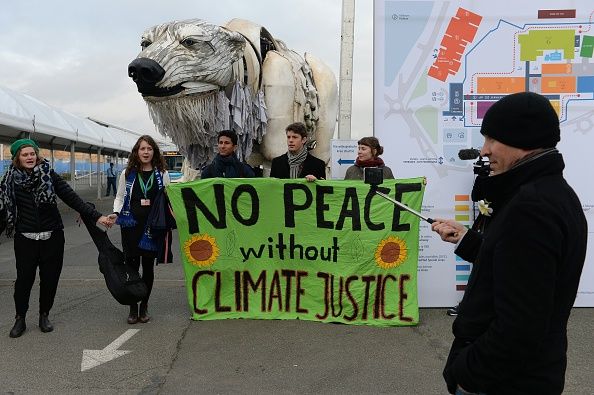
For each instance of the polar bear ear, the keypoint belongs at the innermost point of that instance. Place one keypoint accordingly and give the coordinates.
(233, 36)
(236, 40)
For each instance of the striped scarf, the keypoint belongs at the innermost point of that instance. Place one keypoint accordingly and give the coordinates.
(296, 162)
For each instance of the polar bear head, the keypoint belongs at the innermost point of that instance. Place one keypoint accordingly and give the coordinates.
(185, 57)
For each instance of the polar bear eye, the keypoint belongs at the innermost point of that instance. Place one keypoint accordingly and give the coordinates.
(195, 44)
(145, 43)
(188, 42)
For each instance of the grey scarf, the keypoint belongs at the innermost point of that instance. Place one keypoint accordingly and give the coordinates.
(296, 162)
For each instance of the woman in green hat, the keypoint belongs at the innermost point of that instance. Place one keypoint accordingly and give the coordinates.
(28, 208)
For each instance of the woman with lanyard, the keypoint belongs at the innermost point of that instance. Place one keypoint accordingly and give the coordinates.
(29, 210)
(138, 187)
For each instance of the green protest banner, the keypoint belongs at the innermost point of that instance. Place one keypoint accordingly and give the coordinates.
(326, 251)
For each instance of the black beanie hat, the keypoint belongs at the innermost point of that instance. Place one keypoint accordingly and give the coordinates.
(524, 120)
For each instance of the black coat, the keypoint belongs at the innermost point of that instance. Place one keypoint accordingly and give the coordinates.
(46, 216)
(229, 167)
(161, 222)
(511, 329)
(311, 165)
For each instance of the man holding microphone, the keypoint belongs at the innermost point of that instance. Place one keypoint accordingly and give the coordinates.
(528, 249)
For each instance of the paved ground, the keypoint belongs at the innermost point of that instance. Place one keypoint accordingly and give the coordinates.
(174, 355)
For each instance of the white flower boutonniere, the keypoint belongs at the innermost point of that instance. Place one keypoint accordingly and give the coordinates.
(483, 206)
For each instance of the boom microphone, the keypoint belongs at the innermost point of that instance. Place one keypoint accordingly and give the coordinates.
(469, 154)
(401, 205)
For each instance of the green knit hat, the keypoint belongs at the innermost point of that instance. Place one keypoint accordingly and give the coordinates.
(17, 145)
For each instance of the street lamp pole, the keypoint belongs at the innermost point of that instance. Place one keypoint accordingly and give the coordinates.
(345, 85)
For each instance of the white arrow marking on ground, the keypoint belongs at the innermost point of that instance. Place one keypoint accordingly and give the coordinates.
(93, 358)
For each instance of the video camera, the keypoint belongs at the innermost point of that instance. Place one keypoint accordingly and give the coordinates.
(373, 176)
(481, 166)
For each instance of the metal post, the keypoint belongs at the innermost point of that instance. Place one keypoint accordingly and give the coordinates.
(345, 86)
(72, 164)
(52, 157)
(117, 163)
(99, 173)
(90, 168)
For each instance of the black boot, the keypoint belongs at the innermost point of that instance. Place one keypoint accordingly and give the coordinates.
(133, 316)
(143, 314)
(19, 326)
(44, 323)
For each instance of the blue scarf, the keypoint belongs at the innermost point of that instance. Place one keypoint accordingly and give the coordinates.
(127, 220)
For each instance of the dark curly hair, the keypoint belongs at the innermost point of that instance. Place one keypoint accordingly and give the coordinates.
(298, 128)
(228, 133)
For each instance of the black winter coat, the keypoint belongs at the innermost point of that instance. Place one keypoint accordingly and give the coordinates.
(511, 329)
(32, 218)
(229, 167)
(311, 165)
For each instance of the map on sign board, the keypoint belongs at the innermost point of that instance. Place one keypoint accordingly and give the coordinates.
(439, 66)
(476, 56)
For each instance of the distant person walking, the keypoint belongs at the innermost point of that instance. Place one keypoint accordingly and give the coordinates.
(28, 210)
(111, 180)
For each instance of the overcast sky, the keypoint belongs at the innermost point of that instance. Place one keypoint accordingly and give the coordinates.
(74, 54)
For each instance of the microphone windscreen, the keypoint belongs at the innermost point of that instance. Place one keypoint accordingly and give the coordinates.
(468, 154)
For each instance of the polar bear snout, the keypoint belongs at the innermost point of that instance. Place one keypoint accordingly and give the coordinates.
(146, 73)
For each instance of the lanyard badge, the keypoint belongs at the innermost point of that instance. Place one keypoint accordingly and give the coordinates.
(145, 188)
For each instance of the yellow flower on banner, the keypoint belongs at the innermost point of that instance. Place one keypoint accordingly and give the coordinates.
(390, 252)
(483, 206)
(201, 250)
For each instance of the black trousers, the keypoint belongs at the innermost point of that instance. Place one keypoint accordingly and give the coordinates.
(111, 182)
(148, 271)
(48, 255)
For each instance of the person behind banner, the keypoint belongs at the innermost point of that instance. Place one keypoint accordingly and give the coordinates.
(141, 184)
(226, 164)
(297, 162)
(111, 180)
(368, 154)
(511, 329)
(29, 210)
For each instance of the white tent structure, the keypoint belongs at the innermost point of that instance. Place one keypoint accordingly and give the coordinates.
(22, 116)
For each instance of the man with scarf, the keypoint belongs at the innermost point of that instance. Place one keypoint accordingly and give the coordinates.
(28, 193)
(226, 164)
(528, 254)
(297, 162)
